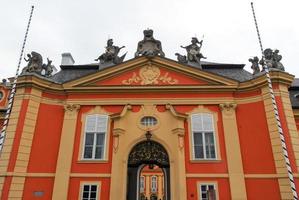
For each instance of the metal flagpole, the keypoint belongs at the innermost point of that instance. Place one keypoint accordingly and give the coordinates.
(281, 134)
(13, 89)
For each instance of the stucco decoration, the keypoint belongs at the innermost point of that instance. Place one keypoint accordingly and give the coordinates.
(150, 75)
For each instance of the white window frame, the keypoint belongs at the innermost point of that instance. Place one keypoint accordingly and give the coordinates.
(154, 189)
(95, 139)
(90, 184)
(203, 137)
(206, 184)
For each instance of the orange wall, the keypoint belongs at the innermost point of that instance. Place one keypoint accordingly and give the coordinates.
(206, 167)
(222, 184)
(254, 138)
(85, 167)
(74, 187)
(33, 184)
(261, 189)
(46, 139)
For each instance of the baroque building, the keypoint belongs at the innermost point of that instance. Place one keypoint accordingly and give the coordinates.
(148, 128)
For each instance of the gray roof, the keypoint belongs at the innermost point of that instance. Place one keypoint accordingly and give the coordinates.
(294, 93)
(231, 71)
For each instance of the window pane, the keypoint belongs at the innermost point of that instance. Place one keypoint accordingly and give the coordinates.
(211, 187)
(85, 194)
(197, 138)
(100, 138)
(90, 123)
(88, 152)
(198, 151)
(210, 146)
(89, 139)
(99, 152)
(207, 122)
(93, 195)
(196, 121)
(93, 188)
(101, 123)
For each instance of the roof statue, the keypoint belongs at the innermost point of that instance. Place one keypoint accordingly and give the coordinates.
(149, 46)
(272, 59)
(255, 65)
(111, 54)
(193, 52)
(35, 65)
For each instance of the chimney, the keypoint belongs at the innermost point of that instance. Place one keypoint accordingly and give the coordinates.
(67, 59)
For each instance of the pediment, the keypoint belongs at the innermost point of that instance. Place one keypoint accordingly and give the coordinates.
(153, 72)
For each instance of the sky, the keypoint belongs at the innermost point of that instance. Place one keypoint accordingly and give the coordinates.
(83, 27)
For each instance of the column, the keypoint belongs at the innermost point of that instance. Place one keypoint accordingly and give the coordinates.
(64, 160)
(233, 151)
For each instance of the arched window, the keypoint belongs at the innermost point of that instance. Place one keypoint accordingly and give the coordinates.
(95, 136)
(203, 136)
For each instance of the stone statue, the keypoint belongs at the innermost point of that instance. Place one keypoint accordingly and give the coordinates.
(111, 54)
(181, 58)
(193, 51)
(255, 65)
(35, 65)
(35, 62)
(272, 59)
(149, 46)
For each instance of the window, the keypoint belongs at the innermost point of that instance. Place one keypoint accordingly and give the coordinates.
(95, 136)
(154, 184)
(90, 192)
(141, 183)
(148, 121)
(207, 192)
(203, 136)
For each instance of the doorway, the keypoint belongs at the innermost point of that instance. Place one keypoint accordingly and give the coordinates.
(148, 172)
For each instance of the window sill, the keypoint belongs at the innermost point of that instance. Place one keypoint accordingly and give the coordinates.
(206, 161)
(92, 161)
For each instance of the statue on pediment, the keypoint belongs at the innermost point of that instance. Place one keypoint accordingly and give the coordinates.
(35, 65)
(255, 65)
(193, 51)
(149, 46)
(111, 54)
(272, 59)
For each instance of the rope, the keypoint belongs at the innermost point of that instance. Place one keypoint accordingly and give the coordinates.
(281, 134)
(13, 89)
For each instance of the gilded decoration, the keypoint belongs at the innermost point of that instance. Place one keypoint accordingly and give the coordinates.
(150, 75)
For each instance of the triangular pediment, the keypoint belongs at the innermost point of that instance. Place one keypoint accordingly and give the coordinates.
(153, 72)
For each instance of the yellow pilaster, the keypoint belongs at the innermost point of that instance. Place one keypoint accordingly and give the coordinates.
(281, 169)
(147, 186)
(10, 135)
(64, 161)
(22, 160)
(233, 152)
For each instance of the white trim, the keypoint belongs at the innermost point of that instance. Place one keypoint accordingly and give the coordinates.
(83, 183)
(199, 184)
(203, 137)
(95, 138)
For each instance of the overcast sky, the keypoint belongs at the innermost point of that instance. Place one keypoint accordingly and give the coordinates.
(83, 27)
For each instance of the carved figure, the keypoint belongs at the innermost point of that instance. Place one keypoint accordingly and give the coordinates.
(272, 59)
(48, 68)
(255, 65)
(149, 46)
(35, 62)
(193, 51)
(35, 65)
(111, 54)
(181, 58)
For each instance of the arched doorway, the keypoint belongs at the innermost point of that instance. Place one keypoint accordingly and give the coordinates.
(147, 153)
